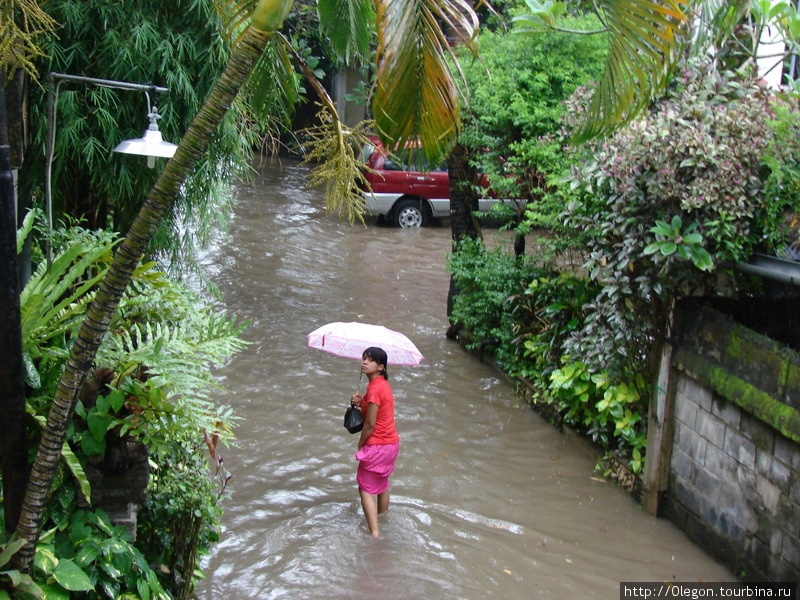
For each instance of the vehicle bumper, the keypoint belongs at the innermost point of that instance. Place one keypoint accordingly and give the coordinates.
(380, 203)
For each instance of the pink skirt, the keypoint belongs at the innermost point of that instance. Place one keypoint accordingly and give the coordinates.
(375, 464)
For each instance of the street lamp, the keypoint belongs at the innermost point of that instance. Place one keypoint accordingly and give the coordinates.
(150, 144)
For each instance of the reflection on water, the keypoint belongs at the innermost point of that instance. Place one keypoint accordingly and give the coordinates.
(488, 500)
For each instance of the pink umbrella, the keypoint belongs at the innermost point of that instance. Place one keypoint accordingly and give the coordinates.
(351, 339)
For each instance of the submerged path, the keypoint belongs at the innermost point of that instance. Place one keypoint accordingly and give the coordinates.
(488, 500)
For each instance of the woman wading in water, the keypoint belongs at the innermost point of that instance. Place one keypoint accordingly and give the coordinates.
(379, 443)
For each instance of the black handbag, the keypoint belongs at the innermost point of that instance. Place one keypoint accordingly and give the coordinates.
(353, 421)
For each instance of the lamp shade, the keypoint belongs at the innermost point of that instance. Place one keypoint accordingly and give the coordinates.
(150, 144)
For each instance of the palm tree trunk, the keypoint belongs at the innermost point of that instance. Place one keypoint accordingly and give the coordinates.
(13, 451)
(463, 198)
(463, 205)
(126, 259)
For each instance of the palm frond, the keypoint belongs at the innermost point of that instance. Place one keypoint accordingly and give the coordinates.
(178, 357)
(348, 25)
(416, 95)
(273, 89)
(57, 295)
(234, 15)
(646, 37)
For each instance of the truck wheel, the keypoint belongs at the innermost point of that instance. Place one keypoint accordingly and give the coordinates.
(409, 213)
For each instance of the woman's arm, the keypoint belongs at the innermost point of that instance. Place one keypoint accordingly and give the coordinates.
(370, 416)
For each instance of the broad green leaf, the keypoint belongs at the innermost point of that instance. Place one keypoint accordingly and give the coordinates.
(86, 556)
(10, 550)
(662, 228)
(45, 559)
(668, 248)
(702, 259)
(71, 577)
(53, 592)
(116, 399)
(693, 238)
(77, 471)
(25, 230)
(90, 446)
(98, 424)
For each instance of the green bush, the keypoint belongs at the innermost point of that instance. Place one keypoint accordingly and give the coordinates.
(151, 385)
(663, 205)
(610, 413)
(516, 95)
(490, 284)
(179, 520)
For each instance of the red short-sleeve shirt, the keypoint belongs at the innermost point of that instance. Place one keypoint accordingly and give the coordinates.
(379, 392)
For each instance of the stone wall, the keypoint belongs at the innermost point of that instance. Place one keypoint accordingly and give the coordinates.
(734, 483)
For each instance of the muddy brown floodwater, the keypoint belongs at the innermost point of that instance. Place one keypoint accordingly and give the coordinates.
(488, 500)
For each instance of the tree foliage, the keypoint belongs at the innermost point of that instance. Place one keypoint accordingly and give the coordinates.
(658, 200)
(151, 383)
(176, 45)
(645, 41)
(516, 98)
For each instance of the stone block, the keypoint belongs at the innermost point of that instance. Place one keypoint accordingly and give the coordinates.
(787, 451)
(794, 489)
(674, 510)
(682, 465)
(788, 513)
(707, 489)
(686, 409)
(711, 428)
(699, 394)
(776, 541)
(768, 494)
(740, 448)
(758, 432)
(727, 412)
(687, 495)
(763, 463)
(792, 387)
(790, 548)
(691, 443)
(719, 463)
(758, 561)
(755, 359)
(781, 570)
(746, 482)
(781, 476)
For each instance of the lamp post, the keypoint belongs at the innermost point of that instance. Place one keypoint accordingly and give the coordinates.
(150, 144)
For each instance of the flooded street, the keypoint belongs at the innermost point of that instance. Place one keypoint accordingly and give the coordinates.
(488, 500)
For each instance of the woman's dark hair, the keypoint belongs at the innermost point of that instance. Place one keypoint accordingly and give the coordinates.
(379, 356)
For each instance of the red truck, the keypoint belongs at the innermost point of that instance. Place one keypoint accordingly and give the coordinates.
(407, 191)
